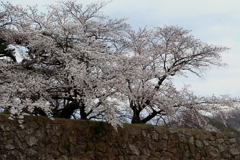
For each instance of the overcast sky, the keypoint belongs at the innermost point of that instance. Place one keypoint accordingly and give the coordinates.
(212, 21)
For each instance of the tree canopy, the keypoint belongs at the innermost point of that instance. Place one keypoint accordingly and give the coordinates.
(79, 63)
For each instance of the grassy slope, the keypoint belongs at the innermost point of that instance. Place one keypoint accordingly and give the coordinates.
(219, 125)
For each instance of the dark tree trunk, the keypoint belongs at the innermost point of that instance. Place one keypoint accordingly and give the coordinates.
(136, 116)
(136, 112)
(83, 114)
(68, 110)
(39, 112)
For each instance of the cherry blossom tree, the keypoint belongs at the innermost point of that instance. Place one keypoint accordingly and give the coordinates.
(155, 57)
(69, 59)
(5, 51)
(79, 63)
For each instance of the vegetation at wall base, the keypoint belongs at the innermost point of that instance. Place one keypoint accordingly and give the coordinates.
(225, 128)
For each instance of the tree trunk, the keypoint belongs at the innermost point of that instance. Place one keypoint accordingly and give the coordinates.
(68, 110)
(82, 112)
(39, 112)
(136, 116)
(136, 112)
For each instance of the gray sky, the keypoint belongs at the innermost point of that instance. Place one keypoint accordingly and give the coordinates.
(212, 21)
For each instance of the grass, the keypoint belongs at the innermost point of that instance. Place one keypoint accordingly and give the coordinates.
(61, 153)
(141, 124)
(67, 147)
(188, 143)
(227, 128)
(191, 156)
(98, 128)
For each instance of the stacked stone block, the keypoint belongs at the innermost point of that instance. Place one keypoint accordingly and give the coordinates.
(63, 139)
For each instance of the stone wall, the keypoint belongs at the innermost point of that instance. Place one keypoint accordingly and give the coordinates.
(63, 139)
